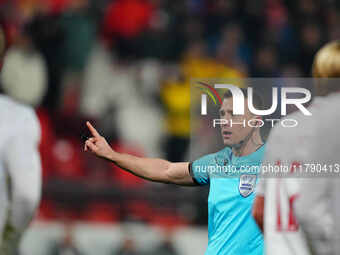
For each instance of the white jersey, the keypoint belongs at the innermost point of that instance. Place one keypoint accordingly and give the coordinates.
(290, 147)
(20, 171)
(318, 207)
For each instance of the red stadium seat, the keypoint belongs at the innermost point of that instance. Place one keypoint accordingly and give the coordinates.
(47, 210)
(48, 139)
(122, 177)
(101, 213)
(68, 158)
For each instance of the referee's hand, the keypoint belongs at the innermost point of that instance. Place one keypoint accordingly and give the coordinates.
(98, 144)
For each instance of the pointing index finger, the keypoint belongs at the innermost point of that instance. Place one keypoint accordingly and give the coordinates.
(93, 131)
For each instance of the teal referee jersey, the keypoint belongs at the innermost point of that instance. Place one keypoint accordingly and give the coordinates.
(232, 229)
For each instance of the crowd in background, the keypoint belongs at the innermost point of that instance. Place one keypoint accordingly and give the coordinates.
(126, 65)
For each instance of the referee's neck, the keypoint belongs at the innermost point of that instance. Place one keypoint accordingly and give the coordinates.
(248, 147)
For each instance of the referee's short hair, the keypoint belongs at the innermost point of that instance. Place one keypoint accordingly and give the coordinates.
(257, 98)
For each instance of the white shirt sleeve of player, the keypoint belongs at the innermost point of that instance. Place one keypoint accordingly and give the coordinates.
(3, 202)
(22, 160)
(261, 187)
(313, 211)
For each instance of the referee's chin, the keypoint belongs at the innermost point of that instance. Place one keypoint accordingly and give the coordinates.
(228, 142)
(231, 143)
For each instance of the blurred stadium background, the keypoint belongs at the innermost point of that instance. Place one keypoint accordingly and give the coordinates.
(126, 65)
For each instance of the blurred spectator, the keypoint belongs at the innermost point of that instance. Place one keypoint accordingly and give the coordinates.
(163, 37)
(253, 18)
(48, 37)
(128, 247)
(24, 74)
(291, 70)
(128, 18)
(57, 6)
(112, 89)
(308, 10)
(141, 123)
(333, 20)
(150, 72)
(311, 41)
(68, 160)
(124, 22)
(166, 247)
(281, 31)
(66, 246)
(108, 84)
(196, 63)
(265, 62)
(176, 99)
(232, 51)
(127, 64)
(276, 14)
(175, 91)
(219, 13)
(95, 94)
(79, 33)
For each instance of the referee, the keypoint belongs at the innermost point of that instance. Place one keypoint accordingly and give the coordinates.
(232, 229)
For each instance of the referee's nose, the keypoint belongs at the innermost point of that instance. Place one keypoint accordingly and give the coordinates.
(226, 123)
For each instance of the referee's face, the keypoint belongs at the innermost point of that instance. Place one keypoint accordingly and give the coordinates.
(237, 128)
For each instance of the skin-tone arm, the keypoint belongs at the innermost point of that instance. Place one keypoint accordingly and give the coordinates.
(258, 211)
(153, 169)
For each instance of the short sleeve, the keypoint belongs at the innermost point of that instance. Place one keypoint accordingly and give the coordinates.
(199, 169)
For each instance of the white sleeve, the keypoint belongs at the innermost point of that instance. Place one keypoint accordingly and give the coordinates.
(3, 202)
(261, 187)
(22, 161)
(313, 211)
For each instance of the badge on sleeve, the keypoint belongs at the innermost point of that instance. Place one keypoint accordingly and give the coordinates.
(247, 184)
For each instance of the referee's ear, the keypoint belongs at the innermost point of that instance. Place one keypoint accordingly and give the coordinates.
(259, 121)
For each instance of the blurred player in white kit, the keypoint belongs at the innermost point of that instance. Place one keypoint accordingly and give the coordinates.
(301, 216)
(20, 168)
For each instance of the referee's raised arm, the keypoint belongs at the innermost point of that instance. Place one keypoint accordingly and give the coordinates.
(152, 169)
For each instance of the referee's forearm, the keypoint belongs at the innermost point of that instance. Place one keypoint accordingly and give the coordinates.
(152, 169)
